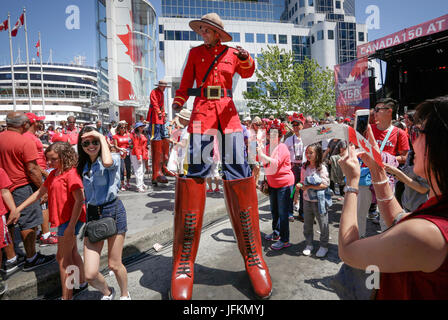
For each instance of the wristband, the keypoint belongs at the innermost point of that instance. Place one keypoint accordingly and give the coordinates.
(381, 182)
(386, 199)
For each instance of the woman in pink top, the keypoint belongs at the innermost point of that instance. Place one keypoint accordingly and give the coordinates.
(277, 164)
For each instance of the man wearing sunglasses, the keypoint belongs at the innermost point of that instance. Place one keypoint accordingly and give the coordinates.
(397, 143)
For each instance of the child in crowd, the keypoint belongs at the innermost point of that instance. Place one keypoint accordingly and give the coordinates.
(6, 198)
(314, 182)
(67, 210)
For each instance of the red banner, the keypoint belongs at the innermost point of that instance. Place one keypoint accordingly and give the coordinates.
(421, 30)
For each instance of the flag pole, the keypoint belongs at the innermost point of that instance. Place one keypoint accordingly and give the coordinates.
(41, 75)
(12, 65)
(27, 62)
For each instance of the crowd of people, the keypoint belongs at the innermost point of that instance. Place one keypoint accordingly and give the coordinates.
(47, 180)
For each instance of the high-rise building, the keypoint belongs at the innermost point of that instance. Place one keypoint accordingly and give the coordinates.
(324, 30)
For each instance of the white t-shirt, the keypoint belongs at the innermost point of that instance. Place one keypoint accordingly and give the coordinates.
(296, 148)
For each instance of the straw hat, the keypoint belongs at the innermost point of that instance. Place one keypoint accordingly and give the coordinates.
(183, 114)
(213, 21)
(163, 83)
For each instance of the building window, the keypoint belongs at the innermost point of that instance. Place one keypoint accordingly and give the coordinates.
(261, 38)
(282, 39)
(361, 36)
(161, 46)
(338, 4)
(330, 34)
(301, 3)
(160, 28)
(272, 38)
(235, 36)
(169, 35)
(310, 3)
(310, 23)
(320, 35)
(249, 37)
(312, 39)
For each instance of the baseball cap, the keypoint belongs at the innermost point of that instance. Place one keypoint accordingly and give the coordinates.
(33, 118)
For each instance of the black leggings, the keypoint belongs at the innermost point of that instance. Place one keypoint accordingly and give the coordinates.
(126, 162)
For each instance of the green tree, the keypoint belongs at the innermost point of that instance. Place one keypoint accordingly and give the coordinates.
(284, 85)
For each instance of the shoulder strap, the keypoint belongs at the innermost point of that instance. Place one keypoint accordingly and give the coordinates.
(211, 66)
(386, 138)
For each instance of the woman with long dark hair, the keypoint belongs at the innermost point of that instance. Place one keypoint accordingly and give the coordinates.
(100, 173)
(122, 141)
(412, 255)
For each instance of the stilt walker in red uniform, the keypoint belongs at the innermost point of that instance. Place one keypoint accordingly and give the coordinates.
(212, 65)
(158, 136)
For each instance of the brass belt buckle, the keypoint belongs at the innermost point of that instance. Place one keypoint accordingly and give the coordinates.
(214, 92)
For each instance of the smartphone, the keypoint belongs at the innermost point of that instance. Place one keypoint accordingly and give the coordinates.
(362, 120)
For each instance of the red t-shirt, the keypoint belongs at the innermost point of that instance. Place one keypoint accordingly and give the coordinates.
(122, 141)
(15, 151)
(417, 285)
(278, 173)
(60, 197)
(59, 137)
(5, 183)
(397, 142)
(73, 135)
(41, 161)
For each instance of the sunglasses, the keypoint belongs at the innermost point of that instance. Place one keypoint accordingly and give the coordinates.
(87, 143)
(377, 109)
(296, 124)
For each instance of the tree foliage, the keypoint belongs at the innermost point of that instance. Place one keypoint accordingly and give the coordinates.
(285, 85)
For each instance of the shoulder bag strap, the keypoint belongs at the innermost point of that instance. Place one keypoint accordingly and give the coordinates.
(386, 138)
(211, 66)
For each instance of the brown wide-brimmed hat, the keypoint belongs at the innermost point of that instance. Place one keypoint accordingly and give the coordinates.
(163, 83)
(213, 21)
(183, 114)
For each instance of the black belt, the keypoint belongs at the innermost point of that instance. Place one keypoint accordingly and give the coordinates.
(96, 211)
(210, 92)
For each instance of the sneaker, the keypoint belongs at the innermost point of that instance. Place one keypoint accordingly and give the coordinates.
(122, 188)
(376, 220)
(128, 186)
(11, 267)
(141, 190)
(372, 215)
(3, 287)
(51, 240)
(272, 237)
(291, 219)
(111, 296)
(307, 251)
(322, 252)
(128, 297)
(217, 190)
(210, 191)
(40, 261)
(81, 289)
(280, 245)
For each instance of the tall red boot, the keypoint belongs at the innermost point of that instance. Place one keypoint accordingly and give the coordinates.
(242, 206)
(188, 214)
(165, 158)
(156, 153)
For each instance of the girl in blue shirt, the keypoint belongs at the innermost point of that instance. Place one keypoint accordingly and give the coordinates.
(100, 173)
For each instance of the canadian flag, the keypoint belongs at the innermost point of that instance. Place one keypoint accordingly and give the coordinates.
(19, 23)
(4, 25)
(38, 48)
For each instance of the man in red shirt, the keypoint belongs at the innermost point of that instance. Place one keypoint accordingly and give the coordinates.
(72, 131)
(158, 136)
(46, 238)
(18, 157)
(212, 65)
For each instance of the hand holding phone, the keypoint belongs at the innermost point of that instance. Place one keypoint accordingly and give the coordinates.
(362, 120)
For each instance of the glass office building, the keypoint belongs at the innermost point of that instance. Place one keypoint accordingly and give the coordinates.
(261, 10)
(126, 56)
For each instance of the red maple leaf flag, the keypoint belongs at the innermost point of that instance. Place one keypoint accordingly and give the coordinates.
(19, 23)
(4, 25)
(38, 48)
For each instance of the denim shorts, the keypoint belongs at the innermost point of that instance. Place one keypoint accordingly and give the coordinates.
(62, 227)
(115, 210)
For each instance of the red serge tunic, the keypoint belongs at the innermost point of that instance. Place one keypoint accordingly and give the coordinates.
(206, 113)
(156, 107)
(417, 285)
(60, 197)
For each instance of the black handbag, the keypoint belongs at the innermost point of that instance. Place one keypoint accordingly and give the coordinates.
(101, 229)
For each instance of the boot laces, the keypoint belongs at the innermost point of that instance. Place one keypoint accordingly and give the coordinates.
(187, 245)
(249, 239)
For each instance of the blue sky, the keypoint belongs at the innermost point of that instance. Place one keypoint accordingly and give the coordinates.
(49, 17)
